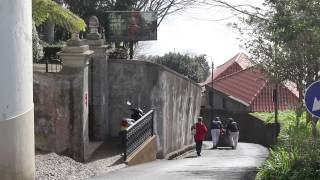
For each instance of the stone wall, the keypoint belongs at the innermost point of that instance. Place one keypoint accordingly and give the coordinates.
(175, 99)
(252, 129)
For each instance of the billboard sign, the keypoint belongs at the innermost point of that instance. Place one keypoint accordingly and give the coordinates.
(125, 26)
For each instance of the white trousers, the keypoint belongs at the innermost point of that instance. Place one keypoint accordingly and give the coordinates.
(215, 134)
(233, 138)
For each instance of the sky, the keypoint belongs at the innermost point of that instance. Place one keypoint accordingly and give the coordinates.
(199, 31)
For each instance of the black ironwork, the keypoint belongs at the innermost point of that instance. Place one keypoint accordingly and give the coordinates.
(52, 65)
(49, 65)
(138, 133)
(50, 62)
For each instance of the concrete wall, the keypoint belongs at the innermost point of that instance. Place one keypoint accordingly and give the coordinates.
(222, 101)
(252, 129)
(98, 91)
(61, 112)
(175, 99)
(52, 112)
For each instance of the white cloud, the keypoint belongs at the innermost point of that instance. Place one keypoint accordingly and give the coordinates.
(194, 31)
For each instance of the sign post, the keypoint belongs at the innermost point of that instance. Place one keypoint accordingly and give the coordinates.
(312, 99)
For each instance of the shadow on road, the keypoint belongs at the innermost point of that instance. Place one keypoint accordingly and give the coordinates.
(109, 149)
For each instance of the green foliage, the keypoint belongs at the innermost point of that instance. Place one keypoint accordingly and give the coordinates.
(295, 156)
(285, 40)
(119, 53)
(278, 165)
(192, 66)
(58, 44)
(286, 117)
(85, 9)
(43, 10)
(37, 49)
(265, 116)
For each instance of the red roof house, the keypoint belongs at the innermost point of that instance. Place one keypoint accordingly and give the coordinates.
(250, 85)
(236, 63)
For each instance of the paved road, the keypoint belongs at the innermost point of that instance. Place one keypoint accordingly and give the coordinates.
(213, 164)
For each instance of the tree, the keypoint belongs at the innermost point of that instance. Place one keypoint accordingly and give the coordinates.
(50, 11)
(286, 42)
(283, 38)
(86, 8)
(194, 67)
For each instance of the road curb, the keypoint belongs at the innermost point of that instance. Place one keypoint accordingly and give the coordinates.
(179, 152)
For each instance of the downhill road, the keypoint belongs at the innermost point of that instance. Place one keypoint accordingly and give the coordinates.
(217, 164)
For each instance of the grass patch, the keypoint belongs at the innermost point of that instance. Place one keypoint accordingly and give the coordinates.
(295, 156)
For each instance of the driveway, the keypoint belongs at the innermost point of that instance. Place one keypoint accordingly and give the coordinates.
(225, 164)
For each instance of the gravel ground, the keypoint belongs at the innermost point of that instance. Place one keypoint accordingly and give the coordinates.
(55, 167)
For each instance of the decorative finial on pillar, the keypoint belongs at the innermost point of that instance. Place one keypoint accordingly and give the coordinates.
(75, 36)
(75, 40)
(93, 28)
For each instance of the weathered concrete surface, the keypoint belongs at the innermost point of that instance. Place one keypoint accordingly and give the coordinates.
(61, 122)
(222, 101)
(217, 164)
(52, 97)
(174, 98)
(98, 90)
(62, 106)
(145, 153)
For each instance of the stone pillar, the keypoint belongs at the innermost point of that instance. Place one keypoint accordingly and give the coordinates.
(98, 81)
(75, 57)
(16, 98)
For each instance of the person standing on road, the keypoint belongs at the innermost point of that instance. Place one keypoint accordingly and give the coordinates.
(233, 132)
(216, 126)
(201, 130)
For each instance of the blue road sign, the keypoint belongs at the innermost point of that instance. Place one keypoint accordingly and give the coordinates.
(312, 99)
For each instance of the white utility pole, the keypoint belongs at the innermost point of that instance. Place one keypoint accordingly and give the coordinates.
(16, 91)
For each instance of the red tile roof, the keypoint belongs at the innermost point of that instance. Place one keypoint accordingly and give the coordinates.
(263, 102)
(239, 79)
(236, 63)
(252, 87)
(244, 85)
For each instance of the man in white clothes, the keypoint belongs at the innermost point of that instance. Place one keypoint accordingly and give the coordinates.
(215, 131)
(233, 133)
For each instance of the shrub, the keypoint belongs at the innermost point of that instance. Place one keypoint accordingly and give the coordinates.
(295, 156)
(278, 165)
(37, 49)
(119, 53)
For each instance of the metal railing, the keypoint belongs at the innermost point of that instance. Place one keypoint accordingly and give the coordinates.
(138, 133)
(48, 65)
(53, 65)
(50, 62)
